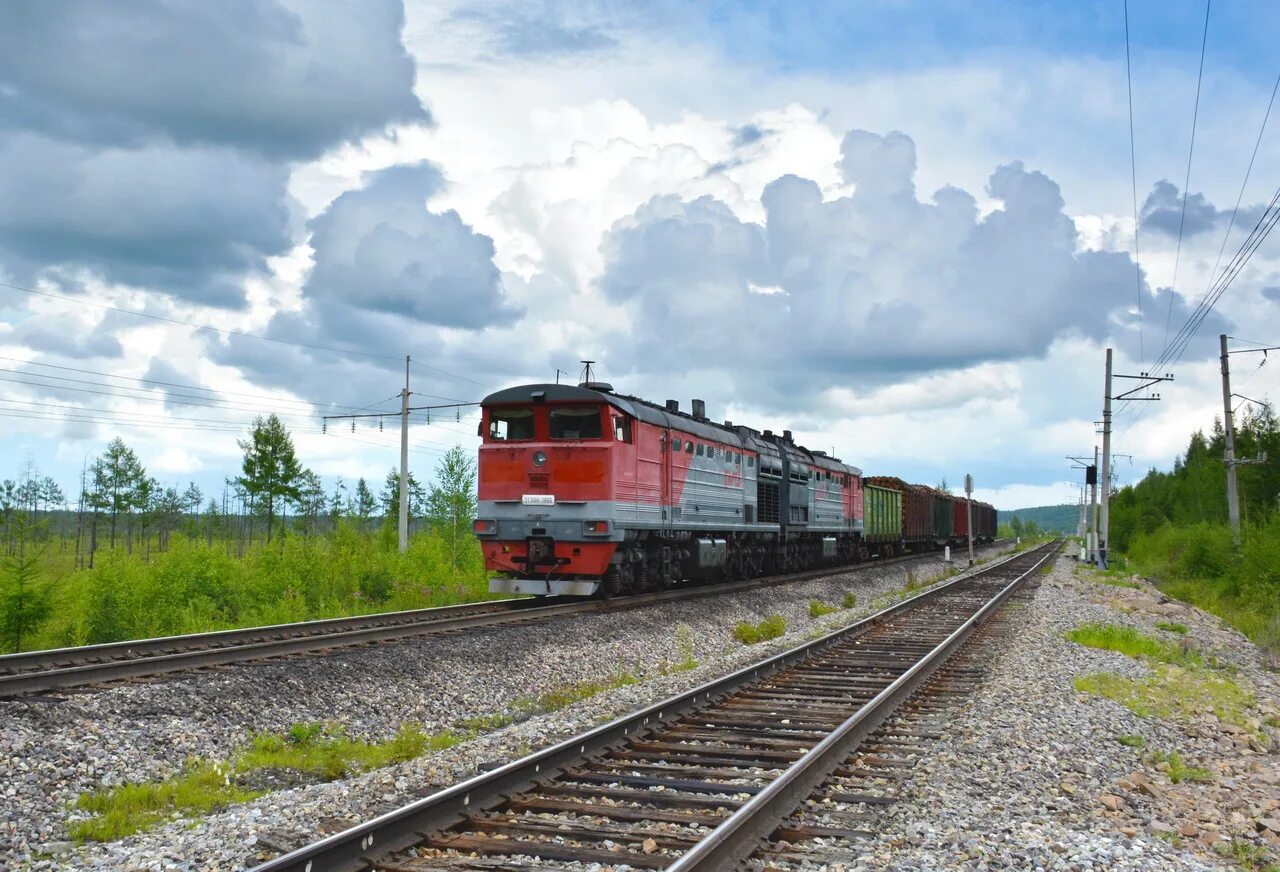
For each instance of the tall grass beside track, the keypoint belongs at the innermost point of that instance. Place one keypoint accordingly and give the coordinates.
(195, 587)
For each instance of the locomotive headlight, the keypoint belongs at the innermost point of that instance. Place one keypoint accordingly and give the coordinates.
(595, 528)
(484, 526)
(539, 458)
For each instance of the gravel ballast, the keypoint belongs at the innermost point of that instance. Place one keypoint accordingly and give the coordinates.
(1030, 774)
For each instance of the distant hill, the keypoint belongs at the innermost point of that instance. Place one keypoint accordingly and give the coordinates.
(1054, 519)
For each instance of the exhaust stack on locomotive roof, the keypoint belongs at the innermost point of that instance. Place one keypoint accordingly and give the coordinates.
(673, 405)
(700, 409)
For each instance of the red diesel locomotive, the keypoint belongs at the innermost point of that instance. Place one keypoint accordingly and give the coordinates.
(584, 490)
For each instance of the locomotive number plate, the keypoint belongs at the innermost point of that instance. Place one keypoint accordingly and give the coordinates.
(538, 500)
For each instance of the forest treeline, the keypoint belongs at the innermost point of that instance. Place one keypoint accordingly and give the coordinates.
(130, 558)
(1172, 526)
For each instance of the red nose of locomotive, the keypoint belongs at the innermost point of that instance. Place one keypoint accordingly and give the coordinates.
(546, 518)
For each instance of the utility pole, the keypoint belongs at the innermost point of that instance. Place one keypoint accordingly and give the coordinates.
(404, 460)
(1229, 428)
(405, 409)
(1147, 380)
(1105, 520)
(968, 512)
(1229, 455)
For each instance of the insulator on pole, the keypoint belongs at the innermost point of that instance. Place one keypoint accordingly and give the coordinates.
(324, 427)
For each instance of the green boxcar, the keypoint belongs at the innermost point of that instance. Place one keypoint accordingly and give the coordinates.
(882, 514)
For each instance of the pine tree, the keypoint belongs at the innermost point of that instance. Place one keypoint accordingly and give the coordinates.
(389, 499)
(271, 468)
(364, 502)
(24, 602)
(310, 500)
(120, 483)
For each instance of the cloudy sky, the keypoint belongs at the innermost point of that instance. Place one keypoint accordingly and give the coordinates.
(903, 230)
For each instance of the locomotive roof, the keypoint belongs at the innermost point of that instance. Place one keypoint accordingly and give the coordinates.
(742, 436)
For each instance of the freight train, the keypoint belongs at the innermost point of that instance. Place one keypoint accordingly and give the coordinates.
(583, 490)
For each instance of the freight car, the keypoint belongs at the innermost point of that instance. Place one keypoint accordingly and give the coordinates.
(585, 490)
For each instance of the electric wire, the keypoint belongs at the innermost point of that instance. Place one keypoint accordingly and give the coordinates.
(1133, 172)
(270, 399)
(1195, 117)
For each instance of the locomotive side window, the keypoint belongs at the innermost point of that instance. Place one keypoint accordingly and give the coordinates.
(621, 428)
(688, 448)
(576, 422)
(510, 424)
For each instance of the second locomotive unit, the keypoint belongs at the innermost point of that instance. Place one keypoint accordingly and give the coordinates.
(583, 490)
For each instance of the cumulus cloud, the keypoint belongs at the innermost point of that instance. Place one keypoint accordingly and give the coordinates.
(389, 274)
(1163, 211)
(150, 144)
(187, 221)
(1272, 293)
(285, 78)
(380, 249)
(868, 287)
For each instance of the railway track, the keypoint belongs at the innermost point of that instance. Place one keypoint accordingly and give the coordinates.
(37, 672)
(712, 777)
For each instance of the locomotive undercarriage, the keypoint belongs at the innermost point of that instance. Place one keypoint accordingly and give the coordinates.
(653, 562)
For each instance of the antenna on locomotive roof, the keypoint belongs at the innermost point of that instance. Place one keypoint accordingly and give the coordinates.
(586, 371)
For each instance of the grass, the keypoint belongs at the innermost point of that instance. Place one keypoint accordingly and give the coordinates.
(321, 751)
(1129, 740)
(770, 628)
(566, 695)
(1115, 582)
(201, 787)
(817, 608)
(1171, 763)
(1126, 640)
(850, 600)
(328, 753)
(685, 660)
(1169, 627)
(1172, 693)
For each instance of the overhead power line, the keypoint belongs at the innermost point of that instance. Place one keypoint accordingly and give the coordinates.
(1195, 117)
(1133, 171)
(275, 401)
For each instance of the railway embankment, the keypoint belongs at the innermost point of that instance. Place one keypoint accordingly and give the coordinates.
(1069, 755)
(551, 679)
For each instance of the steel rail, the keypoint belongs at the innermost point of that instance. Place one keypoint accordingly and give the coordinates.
(359, 847)
(734, 840)
(36, 672)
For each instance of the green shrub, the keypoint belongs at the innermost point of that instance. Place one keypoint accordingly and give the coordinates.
(1131, 741)
(770, 628)
(817, 608)
(1178, 771)
(1180, 629)
(850, 600)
